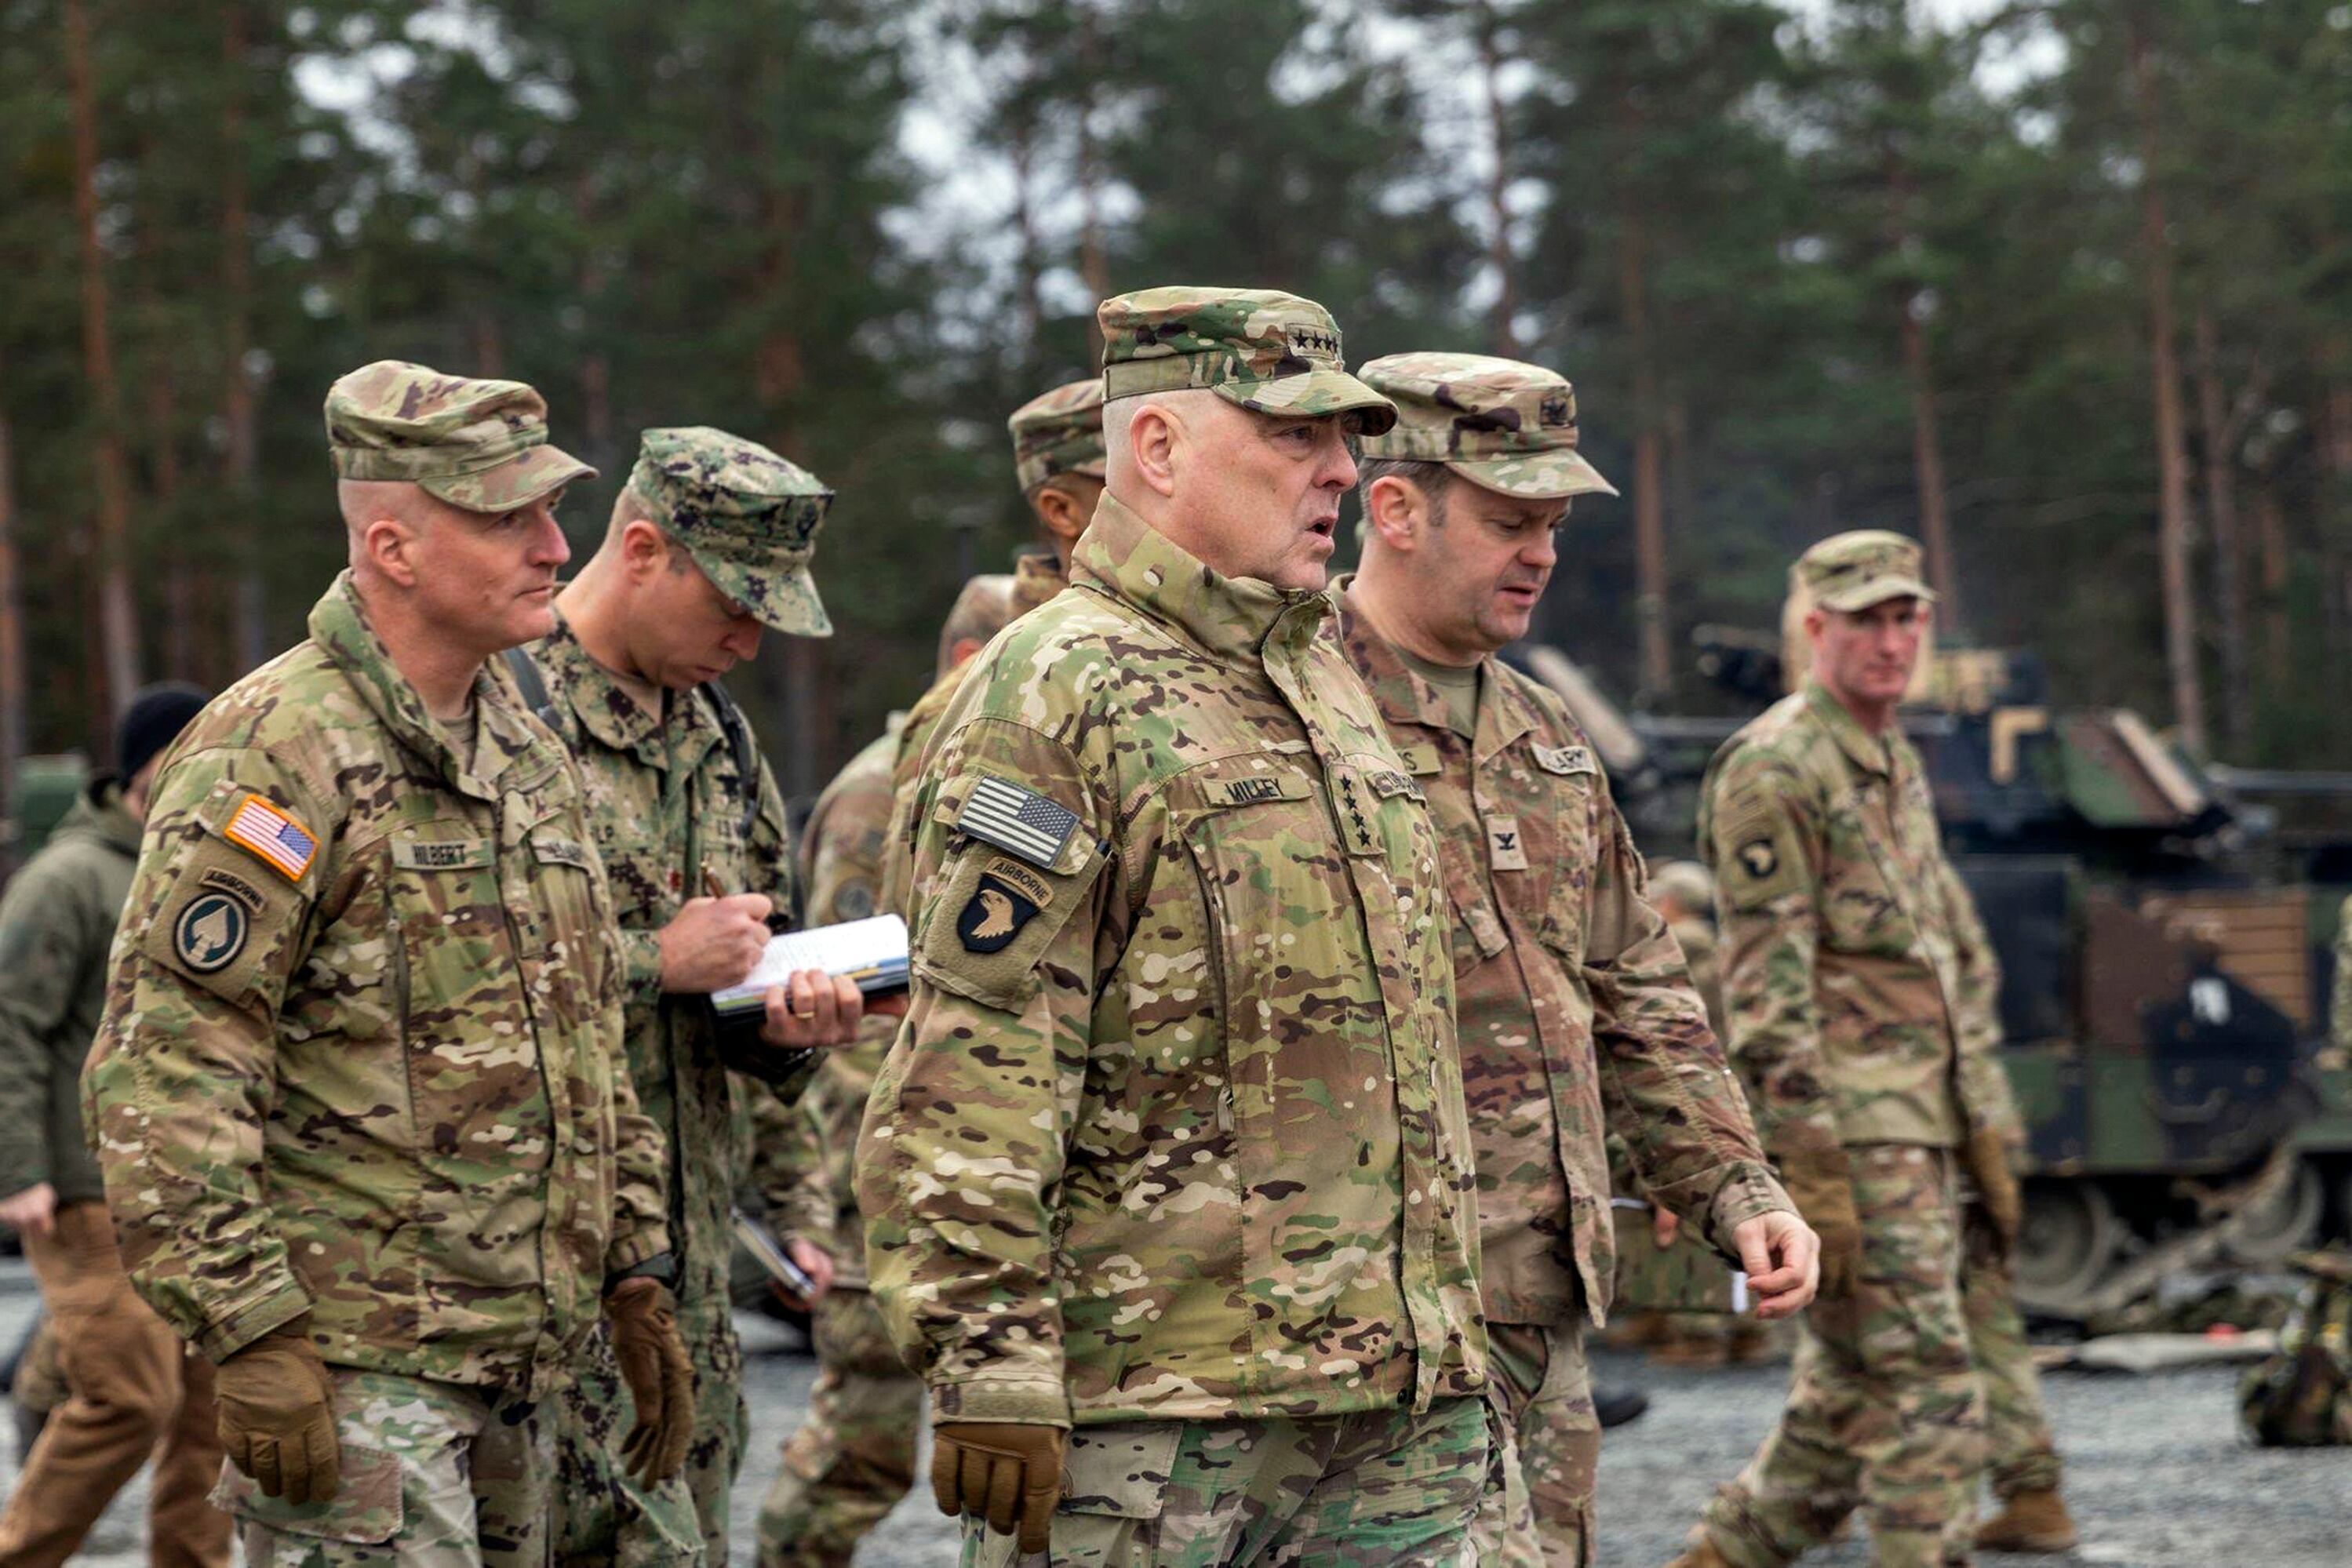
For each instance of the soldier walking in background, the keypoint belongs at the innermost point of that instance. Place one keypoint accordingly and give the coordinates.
(1573, 1008)
(854, 1456)
(132, 1386)
(359, 1094)
(708, 542)
(1168, 1178)
(1853, 974)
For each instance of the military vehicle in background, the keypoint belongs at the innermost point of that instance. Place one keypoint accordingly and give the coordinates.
(39, 795)
(2166, 960)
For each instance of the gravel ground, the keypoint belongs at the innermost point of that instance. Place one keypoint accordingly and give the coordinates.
(2157, 1473)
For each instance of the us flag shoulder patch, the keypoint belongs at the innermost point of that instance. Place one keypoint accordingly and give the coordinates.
(283, 844)
(1016, 821)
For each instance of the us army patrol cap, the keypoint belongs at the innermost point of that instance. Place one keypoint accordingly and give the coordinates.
(478, 445)
(1501, 424)
(1855, 570)
(746, 516)
(1059, 432)
(1273, 352)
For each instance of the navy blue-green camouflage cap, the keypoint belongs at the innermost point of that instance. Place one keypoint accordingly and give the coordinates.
(1265, 350)
(748, 518)
(478, 445)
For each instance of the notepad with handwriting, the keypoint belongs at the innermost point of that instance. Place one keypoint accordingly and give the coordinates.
(872, 952)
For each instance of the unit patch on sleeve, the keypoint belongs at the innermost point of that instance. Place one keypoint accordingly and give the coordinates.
(211, 932)
(1006, 898)
(1020, 821)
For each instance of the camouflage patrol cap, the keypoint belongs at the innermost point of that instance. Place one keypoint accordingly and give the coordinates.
(1855, 570)
(478, 445)
(1501, 424)
(748, 518)
(1058, 433)
(1273, 352)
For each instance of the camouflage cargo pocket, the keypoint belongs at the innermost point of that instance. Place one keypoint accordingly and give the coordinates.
(364, 1511)
(1114, 1488)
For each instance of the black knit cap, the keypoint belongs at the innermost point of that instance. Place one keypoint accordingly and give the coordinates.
(154, 720)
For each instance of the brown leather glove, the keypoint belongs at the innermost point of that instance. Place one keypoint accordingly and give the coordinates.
(1005, 1472)
(1821, 1184)
(276, 1415)
(1988, 1161)
(660, 1378)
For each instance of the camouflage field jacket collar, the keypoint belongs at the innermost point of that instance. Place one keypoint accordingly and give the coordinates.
(1227, 618)
(339, 624)
(1037, 578)
(1871, 754)
(1503, 712)
(617, 719)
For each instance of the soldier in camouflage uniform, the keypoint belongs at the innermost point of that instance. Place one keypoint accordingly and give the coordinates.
(1168, 1179)
(709, 541)
(1574, 1011)
(854, 1458)
(135, 1388)
(1058, 457)
(1857, 979)
(359, 1094)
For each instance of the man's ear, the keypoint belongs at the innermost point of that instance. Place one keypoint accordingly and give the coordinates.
(1156, 440)
(645, 549)
(389, 545)
(1397, 510)
(1057, 510)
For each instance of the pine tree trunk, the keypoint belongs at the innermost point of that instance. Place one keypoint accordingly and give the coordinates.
(1498, 183)
(14, 690)
(1649, 486)
(1094, 264)
(240, 450)
(2270, 529)
(2221, 515)
(1928, 468)
(117, 622)
(2173, 542)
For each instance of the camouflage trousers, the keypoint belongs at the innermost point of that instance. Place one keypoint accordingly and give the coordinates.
(854, 1458)
(604, 1516)
(1884, 1406)
(2022, 1454)
(435, 1475)
(1537, 1510)
(1382, 1488)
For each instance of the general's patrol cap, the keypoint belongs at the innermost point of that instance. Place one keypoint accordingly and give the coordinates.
(1059, 432)
(1855, 570)
(1265, 350)
(1501, 424)
(746, 516)
(478, 445)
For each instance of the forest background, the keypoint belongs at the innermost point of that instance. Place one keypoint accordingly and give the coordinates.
(2063, 287)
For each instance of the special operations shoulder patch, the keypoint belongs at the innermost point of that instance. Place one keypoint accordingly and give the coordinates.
(211, 932)
(1019, 822)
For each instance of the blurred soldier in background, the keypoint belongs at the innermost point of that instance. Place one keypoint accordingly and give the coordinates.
(1857, 979)
(1057, 456)
(854, 1458)
(708, 543)
(1172, 1149)
(360, 1099)
(131, 1385)
(1573, 1008)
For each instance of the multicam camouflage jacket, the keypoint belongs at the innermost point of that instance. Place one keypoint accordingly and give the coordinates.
(813, 1189)
(56, 922)
(1859, 984)
(666, 809)
(1174, 1130)
(1575, 1014)
(361, 1051)
(1035, 579)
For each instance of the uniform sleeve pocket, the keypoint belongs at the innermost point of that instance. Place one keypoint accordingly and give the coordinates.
(364, 1511)
(993, 921)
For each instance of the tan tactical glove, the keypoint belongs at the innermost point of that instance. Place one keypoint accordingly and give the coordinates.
(1006, 1473)
(660, 1378)
(1988, 1161)
(1821, 1184)
(276, 1415)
